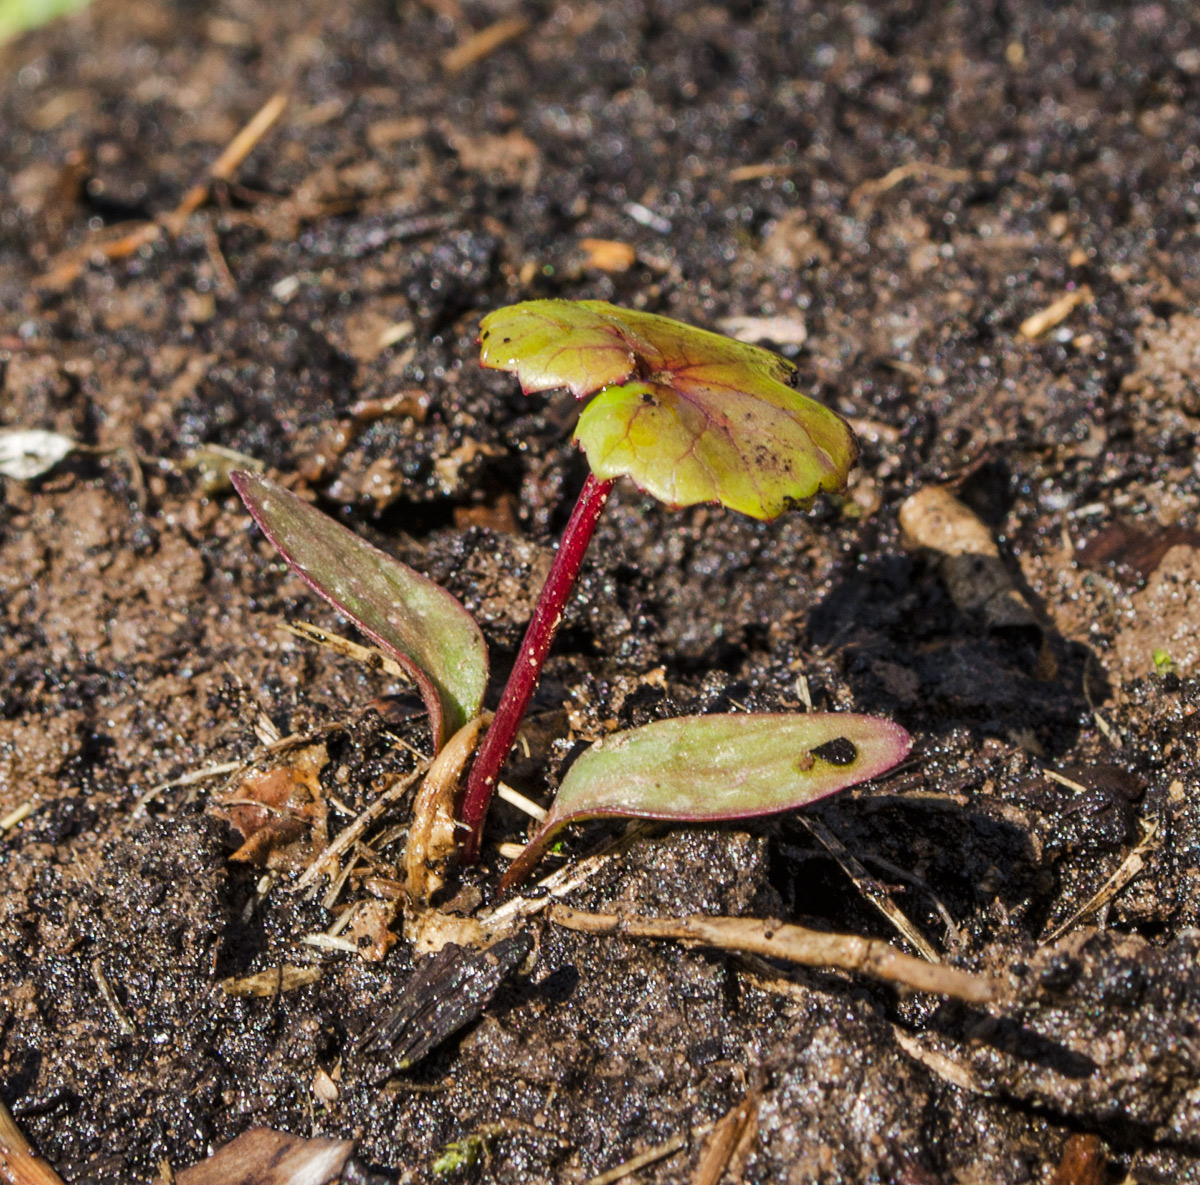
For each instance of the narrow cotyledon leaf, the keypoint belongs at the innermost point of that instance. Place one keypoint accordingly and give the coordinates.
(709, 768)
(419, 624)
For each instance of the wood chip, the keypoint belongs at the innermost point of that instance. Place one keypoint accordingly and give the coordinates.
(480, 45)
(608, 255)
(1054, 314)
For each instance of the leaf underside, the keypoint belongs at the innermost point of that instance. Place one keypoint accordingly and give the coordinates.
(689, 415)
(414, 620)
(710, 768)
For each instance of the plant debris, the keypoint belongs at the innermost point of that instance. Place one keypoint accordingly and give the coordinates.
(447, 991)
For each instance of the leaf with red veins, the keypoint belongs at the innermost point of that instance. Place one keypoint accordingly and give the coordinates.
(689, 415)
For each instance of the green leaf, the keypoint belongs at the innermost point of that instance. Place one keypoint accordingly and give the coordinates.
(689, 415)
(420, 624)
(708, 768)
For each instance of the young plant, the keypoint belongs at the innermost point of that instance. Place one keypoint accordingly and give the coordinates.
(691, 417)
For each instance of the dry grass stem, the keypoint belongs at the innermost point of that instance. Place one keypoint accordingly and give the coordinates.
(1131, 866)
(634, 1164)
(345, 840)
(871, 889)
(482, 44)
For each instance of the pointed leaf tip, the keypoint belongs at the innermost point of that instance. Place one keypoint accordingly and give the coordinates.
(689, 415)
(711, 768)
(414, 620)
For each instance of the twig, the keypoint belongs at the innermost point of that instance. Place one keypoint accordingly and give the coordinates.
(810, 948)
(870, 888)
(197, 775)
(228, 162)
(640, 1162)
(1054, 314)
(18, 815)
(1113, 737)
(517, 799)
(905, 874)
(946, 1068)
(124, 1024)
(558, 884)
(68, 265)
(915, 168)
(19, 1164)
(1054, 776)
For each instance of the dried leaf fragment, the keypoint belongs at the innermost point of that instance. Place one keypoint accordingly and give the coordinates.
(273, 809)
(262, 1156)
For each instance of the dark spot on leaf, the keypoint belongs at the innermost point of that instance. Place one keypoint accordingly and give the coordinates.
(839, 751)
(648, 398)
(486, 334)
(507, 340)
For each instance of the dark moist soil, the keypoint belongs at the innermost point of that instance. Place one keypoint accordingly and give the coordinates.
(910, 182)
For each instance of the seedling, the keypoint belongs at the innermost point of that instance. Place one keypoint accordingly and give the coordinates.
(691, 417)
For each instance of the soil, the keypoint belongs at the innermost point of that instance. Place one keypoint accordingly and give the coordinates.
(903, 185)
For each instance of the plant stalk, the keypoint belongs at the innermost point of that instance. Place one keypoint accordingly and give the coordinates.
(547, 615)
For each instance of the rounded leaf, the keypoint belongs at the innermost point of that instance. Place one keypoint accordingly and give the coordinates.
(689, 415)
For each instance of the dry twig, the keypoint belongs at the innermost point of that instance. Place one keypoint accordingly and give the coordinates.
(1054, 314)
(810, 948)
(914, 168)
(1130, 867)
(346, 839)
(653, 1155)
(129, 241)
(729, 1139)
(19, 1164)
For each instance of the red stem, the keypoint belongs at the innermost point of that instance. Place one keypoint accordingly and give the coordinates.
(547, 614)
